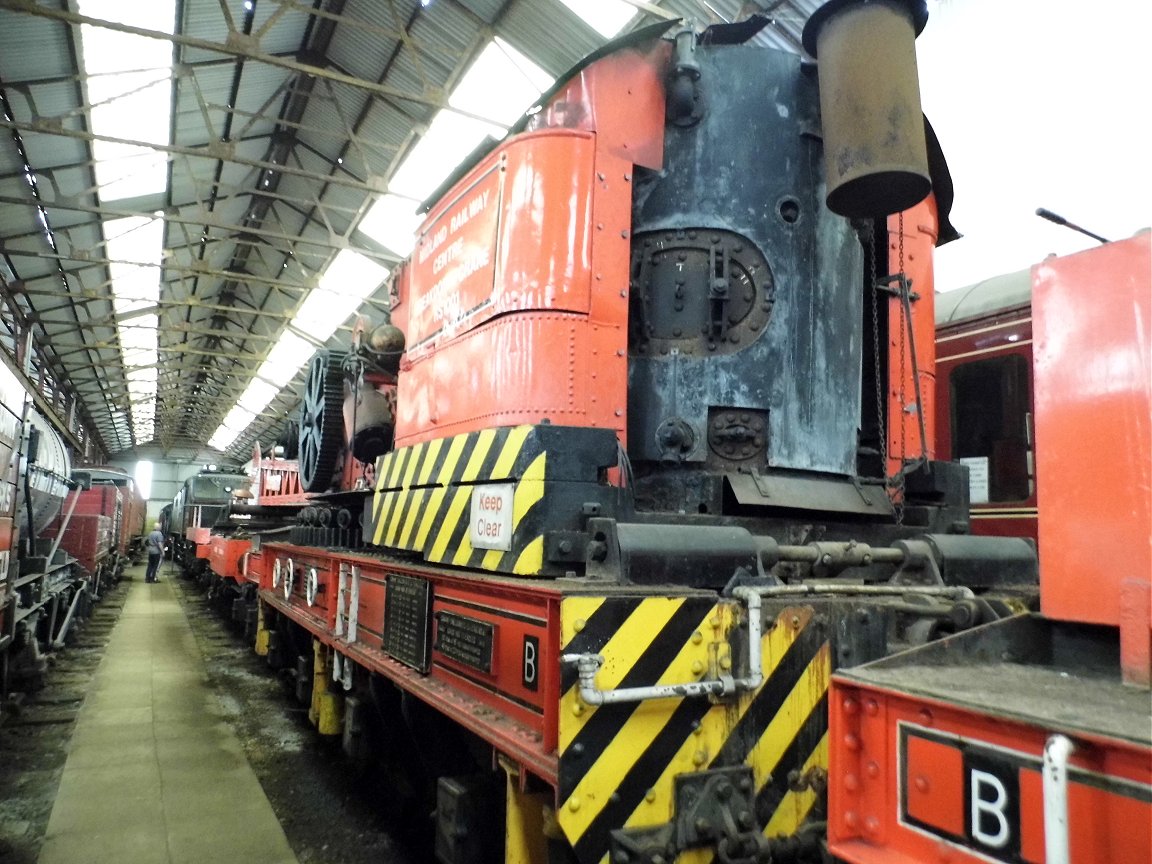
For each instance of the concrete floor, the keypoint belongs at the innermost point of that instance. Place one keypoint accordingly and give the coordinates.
(155, 774)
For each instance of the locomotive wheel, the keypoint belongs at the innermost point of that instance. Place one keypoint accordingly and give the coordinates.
(322, 421)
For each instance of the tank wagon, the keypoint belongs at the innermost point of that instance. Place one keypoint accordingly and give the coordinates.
(43, 588)
(660, 458)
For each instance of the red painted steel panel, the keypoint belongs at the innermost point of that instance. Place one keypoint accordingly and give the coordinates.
(226, 556)
(89, 539)
(1094, 428)
(494, 703)
(913, 253)
(883, 743)
(518, 282)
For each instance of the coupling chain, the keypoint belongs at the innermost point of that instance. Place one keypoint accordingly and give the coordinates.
(904, 324)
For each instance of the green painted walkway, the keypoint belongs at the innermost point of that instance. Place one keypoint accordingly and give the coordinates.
(155, 773)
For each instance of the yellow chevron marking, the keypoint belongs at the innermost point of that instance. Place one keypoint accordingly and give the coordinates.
(576, 609)
(382, 472)
(795, 806)
(479, 454)
(717, 725)
(417, 453)
(783, 728)
(531, 560)
(530, 489)
(390, 498)
(645, 722)
(413, 516)
(460, 499)
(464, 551)
(385, 467)
(403, 506)
(428, 518)
(434, 447)
(387, 500)
(621, 651)
(513, 444)
(448, 524)
(397, 467)
(447, 470)
(491, 559)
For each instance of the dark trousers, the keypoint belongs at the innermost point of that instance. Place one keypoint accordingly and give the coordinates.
(153, 567)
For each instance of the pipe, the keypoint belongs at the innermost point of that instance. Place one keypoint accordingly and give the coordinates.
(1056, 845)
(957, 593)
(587, 665)
(58, 642)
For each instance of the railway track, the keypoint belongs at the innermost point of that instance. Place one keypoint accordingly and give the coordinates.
(36, 730)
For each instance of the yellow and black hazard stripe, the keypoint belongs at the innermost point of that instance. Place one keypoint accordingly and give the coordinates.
(423, 493)
(618, 763)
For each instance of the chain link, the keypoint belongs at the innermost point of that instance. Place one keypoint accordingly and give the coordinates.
(880, 388)
(902, 282)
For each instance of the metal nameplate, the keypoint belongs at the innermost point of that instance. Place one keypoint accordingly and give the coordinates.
(465, 640)
(407, 612)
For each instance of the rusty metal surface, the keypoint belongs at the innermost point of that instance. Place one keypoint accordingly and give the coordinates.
(874, 145)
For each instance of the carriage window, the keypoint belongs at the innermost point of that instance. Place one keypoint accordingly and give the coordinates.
(991, 428)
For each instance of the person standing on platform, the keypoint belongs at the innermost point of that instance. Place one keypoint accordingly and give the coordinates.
(155, 545)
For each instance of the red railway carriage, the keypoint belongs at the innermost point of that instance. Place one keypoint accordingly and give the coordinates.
(984, 399)
(1029, 740)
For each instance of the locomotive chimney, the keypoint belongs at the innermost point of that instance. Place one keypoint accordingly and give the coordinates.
(875, 153)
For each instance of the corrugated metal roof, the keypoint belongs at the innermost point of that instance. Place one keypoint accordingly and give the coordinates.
(35, 49)
(256, 226)
(361, 51)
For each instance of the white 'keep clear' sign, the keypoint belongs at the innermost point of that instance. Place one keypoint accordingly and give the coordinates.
(490, 526)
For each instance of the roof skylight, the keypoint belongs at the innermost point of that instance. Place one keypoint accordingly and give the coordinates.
(450, 137)
(392, 222)
(500, 85)
(344, 285)
(134, 245)
(606, 17)
(349, 279)
(130, 96)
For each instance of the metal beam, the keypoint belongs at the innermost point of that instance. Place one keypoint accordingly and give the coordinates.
(237, 45)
